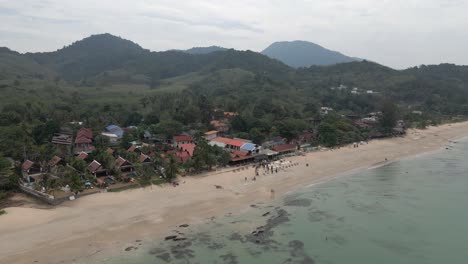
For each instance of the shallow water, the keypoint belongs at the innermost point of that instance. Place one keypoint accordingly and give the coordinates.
(412, 211)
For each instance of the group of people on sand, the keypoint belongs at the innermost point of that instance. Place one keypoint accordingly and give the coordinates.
(271, 168)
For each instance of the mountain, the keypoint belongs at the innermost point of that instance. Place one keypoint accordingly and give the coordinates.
(304, 54)
(90, 56)
(204, 50)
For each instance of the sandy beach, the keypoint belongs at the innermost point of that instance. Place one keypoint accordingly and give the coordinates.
(91, 228)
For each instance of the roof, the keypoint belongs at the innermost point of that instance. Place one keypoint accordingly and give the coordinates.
(212, 132)
(248, 147)
(239, 155)
(114, 129)
(284, 147)
(229, 141)
(132, 148)
(94, 166)
(144, 158)
(84, 135)
(62, 139)
(82, 156)
(54, 161)
(182, 138)
(27, 165)
(230, 114)
(119, 162)
(217, 123)
(189, 148)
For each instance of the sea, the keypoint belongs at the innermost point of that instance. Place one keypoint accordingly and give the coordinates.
(411, 211)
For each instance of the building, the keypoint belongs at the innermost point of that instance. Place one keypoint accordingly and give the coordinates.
(63, 141)
(54, 162)
(114, 133)
(211, 134)
(189, 148)
(181, 139)
(123, 165)
(232, 144)
(96, 169)
(285, 148)
(84, 141)
(145, 159)
(325, 110)
(31, 171)
(82, 156)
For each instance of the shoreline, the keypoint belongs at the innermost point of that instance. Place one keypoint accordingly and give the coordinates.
(96, 226)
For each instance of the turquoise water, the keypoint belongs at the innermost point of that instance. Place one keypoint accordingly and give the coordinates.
(412, 211)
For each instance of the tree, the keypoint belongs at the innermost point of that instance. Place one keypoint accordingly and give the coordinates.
(389, 116)
(171, 168)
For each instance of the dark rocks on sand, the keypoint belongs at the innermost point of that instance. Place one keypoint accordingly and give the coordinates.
(229, 259)
(129, 248)
(170, 237)
(184, 225)
(165, 257)
(180, 239)
(265, 214)
(298, 202)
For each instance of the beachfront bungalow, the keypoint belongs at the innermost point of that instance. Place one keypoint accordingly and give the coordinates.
(231, 144)
(250, 147)
(97, 169)
(83, 141)
(189, 148)
(123, 165)
(265, 154)
(285, 148)
(211, 134)
(145, 159)
(31, 171)
(240, 156)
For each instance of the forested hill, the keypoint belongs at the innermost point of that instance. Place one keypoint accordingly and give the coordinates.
(106, 68)
(304, 54)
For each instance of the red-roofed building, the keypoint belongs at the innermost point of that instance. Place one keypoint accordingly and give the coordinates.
(230, 114)
(54, 161)
(144, 159)
(82, 156)
(84, 140)
(182, 139)
(123, 164)
(96, 168)
(241, 156)
(189, 148)
(211, 134)
(29, 169)
(234, 144)
(284, 148)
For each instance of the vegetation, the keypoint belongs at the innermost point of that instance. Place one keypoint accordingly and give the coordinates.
(105, 80)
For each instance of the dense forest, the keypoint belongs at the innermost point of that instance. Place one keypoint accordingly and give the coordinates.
(105, 80)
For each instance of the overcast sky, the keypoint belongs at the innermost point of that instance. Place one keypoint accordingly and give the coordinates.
(397, 33)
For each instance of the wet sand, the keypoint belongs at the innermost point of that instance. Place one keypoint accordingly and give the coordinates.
(91, 228)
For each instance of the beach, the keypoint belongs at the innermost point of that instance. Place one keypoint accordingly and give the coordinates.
(91, 228)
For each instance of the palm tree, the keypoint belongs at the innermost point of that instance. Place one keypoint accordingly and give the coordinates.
(171, 168)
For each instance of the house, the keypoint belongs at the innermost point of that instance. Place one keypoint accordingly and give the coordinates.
(275, 141)
(132, 148)
(123, 165)
(84, 140)
(63, 141)
(189, 148)
(265, 154)
(250, 147)
(145, 159)
(31, 171)
(55, 161)
(97, 169)
(211, 134)
(284, 148)
(113, 138)
(181, 139)
(400, 128)
(369, 92)
(232, 144)
(238, 156)
(306, 137)
(82, 156)
(220, 126)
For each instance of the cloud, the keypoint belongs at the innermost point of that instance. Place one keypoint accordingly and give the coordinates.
(398, 33)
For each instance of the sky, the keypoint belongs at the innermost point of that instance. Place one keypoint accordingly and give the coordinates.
(396, 33)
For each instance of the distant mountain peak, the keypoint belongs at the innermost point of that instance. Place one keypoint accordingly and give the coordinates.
(204, 50)
(300, 53)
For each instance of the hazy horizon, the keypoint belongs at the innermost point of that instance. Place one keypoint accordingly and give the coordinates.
(398, 34)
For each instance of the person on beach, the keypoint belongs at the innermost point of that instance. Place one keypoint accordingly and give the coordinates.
(245, 179)
(272, 194)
